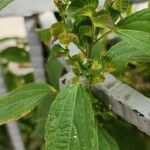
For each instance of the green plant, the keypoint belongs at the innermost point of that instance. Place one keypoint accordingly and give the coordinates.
(73, 117)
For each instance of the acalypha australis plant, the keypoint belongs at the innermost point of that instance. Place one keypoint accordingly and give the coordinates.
(72, 119)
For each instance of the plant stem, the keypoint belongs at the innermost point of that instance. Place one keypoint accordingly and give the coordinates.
(103, 36)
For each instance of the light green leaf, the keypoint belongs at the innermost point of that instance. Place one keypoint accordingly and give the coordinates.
(56, 29)
(148, 3)
(15, 54)
(103, 20)
(136, 18)
(66, 38)
(122, 53)
(23, 100)
(121, 5)
(4, 3)
(106, 142)
(71, 124)
(82, 7)
(138, 39)
(44, 35)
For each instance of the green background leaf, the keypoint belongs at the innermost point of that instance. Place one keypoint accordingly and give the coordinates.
(42, 115)
(23, 100)
(4, 3)
(15, 54)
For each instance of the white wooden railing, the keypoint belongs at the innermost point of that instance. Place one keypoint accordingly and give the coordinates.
(124, 100)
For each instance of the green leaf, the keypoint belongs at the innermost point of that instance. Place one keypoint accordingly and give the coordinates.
(134, 30)
(137, 25)
(4, 3)
(137, 21)
(44, 35)
(23, 100)
(122, 53)
(82, 7)
(97, 50)
(148, 3)
(103, 20)
(57, 51)
(71, 124)
(15, 54)
(121, 5)
(137, 39)
(66, 38)
(56, 29)
(53, 76)
(115, 14)
(106, 142)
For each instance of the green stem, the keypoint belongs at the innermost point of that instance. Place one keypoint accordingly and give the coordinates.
(103, 36)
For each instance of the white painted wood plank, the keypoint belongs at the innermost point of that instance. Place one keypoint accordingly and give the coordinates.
(31, 7)
(35, 49)
(2, 85)
(15, 135)
(124, 100)
(28, 7)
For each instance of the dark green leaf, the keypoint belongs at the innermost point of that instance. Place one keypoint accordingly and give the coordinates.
(56, 67)
(126, 135)
(115, 14)
(56, 73)
(4, 3)
(85, 30)
(42, 115)
(70, 124)
(106, 142)
(23, 100)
